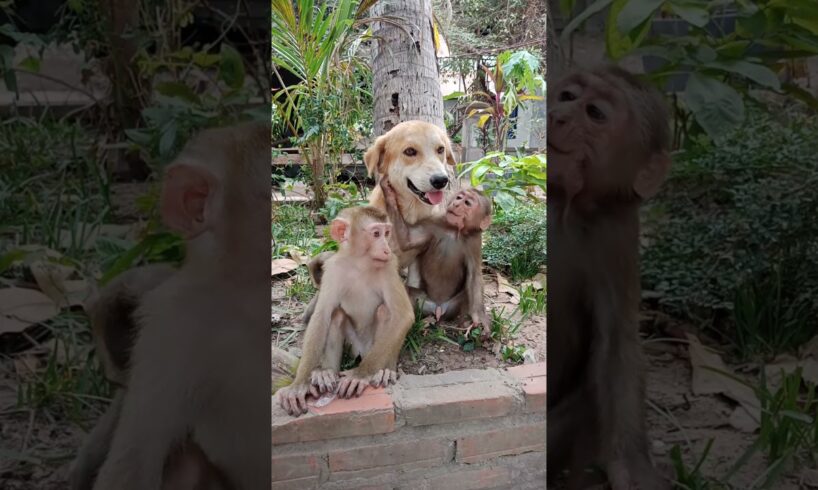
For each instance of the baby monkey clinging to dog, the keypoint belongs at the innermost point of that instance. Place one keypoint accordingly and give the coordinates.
(450, 254)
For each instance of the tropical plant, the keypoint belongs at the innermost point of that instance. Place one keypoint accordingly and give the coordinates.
(516, 78)
(719, 64)
(507, 178)
(317, 43)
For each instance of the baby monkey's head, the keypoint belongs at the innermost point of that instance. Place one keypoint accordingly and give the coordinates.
(469, 210)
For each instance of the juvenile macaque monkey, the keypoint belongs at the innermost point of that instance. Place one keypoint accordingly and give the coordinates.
(607, 152)
(450, 257)
(361, 302)
(189, 416)
(114, 326)
(114, 329)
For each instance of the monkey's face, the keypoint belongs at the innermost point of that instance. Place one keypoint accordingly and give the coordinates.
(413, 155)
(467, 211)
(375, 242)
(590, 132)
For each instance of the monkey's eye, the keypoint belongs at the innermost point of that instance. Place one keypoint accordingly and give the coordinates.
(440, 150)
(566, 96)
(468, 203)
(410, 152)
(386, 233)
(377, 233)
(595, 114)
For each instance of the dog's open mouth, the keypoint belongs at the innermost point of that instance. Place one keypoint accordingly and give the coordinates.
(431, 198)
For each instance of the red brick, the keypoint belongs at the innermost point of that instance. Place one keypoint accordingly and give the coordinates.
(534, 389)
(433, 451)
(371, 413)
(470, 479)
(295, 466)
(501, 442)
(300, 483)
(534, 370)
(449, 404)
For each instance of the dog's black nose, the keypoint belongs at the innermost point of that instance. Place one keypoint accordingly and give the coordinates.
(439, 181)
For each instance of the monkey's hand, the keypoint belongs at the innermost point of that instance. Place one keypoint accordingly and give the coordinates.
(325, 380)
(389, 193)
(293, 398)
(384, 378)
(353, 383)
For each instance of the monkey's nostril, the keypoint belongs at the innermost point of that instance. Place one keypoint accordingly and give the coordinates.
(439, 181)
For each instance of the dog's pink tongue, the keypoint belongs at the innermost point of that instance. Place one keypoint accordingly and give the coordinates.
(435, 197)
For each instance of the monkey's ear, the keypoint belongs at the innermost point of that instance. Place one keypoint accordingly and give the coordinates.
(339, 229)
(373, 158)
(485, 223)
(650, 178)
(186, 190)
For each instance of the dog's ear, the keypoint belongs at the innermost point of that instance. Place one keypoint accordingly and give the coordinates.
(450, 159)
(373, 158)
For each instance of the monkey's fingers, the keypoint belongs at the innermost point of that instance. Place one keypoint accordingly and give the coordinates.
(302, 401)
(362, 384)
(377, 378)
(314, 391)
(393, 376)
(342, 387)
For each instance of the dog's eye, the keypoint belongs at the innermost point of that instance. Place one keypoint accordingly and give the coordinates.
(410, 152)
(440, 150)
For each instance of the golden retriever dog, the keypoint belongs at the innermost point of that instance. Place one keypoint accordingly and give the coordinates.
(413, 156)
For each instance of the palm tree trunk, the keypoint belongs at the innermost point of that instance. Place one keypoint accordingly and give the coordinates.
(404, 69)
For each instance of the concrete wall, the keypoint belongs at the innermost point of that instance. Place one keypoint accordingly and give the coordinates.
(470, 430)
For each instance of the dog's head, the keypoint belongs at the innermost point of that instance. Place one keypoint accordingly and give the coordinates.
(413, 155)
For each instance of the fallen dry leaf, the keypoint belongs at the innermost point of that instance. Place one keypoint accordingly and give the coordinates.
(300, 257)
(21, 308)
(786, 364)
(26, 365)
(53, 281)
(711, 376)
(810, 349)
(505, 287)
(537, 282)
(809, 478)
(283, 266)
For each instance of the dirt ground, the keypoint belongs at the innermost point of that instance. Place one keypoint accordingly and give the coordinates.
(435, 356)
(677, 416)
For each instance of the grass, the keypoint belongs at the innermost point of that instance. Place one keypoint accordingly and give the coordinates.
(532, 301)
(71, 383)
(764, 323)
(302, 287)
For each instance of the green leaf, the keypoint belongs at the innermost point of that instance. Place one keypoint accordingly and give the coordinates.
(454, 96)
(577, 21)
(6, 67)
(231, 68)
(32, 64)
(692, 12)
(635, 12)
(178, 90)
(755, 72)
(717, 107)
(11, 257)
(618, 43)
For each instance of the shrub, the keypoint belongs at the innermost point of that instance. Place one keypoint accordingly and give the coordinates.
(516, 241)
(728, 217)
